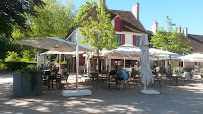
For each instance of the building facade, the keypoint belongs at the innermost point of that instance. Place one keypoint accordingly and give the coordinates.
(128, 29)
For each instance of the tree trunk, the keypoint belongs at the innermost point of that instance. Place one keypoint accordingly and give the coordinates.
(99, 62)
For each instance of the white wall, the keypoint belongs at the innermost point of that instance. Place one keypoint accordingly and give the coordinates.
(80, 38)
(128, 35)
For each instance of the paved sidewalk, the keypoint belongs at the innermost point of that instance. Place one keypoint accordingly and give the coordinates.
(172, 100)
(6, 83)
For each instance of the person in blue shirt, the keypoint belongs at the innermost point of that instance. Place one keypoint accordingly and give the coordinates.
(121, 75)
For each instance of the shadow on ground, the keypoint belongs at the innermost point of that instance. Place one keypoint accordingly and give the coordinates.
(173, 99)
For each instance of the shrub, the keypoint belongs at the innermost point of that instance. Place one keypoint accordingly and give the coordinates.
(188, 69)
(2, 65)
(30, 69)
(201, 70)
(175, 70)
(13, 66)
(12, 57)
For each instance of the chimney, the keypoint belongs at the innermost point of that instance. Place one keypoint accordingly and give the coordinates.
(135, 10)
(185, 31)
(154, 27)
(179, 29)
(104, 2)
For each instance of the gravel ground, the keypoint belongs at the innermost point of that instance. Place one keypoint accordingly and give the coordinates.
(172, 100)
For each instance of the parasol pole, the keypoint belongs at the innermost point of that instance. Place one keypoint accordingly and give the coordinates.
(124, 62)
(77, 59)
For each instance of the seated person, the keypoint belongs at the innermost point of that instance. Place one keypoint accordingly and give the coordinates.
(64, 72)
(64, 76)
(54, 69)
(114, 72)
(48, 64)
(121, 75)
(133, 73)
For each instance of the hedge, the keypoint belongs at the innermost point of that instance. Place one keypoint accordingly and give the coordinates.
(13, 66)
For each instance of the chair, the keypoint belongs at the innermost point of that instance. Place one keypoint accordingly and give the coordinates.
(111, 78)
(157, 77)
(45, 77)
(185, 76)
(94, 76)
(169, 76)
(65, 76)
(134, 77)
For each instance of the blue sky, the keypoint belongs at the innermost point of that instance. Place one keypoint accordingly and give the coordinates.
(186, 13)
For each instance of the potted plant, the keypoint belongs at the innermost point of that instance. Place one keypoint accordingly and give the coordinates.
(27, 82)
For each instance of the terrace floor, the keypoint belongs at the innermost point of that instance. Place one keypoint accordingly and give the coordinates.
(173, 99)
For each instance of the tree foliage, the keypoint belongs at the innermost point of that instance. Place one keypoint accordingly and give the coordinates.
(99, 32)
(12, 12)
(12, 57)
(170, 39)
(54, 20)
(83, 10)
(3, 45)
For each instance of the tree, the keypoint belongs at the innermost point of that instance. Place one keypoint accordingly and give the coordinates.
(99, 32)
(12, 12)
(170, 39)
(54, 19)
(83, 10)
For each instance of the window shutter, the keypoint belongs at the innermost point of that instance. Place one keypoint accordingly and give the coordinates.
(134, 40)
(112, 62)
(81, 60)
(123, 39)
(118, 24)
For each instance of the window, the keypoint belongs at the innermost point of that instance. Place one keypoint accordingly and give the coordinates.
(118, 38)
(138, 41)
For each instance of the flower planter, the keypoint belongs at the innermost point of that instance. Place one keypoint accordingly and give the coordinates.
(25, 84)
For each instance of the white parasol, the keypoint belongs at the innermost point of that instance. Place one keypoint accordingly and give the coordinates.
(146, 72)
(195, 57)
(57, 44)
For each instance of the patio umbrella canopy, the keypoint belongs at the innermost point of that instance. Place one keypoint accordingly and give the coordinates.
(57, 44)
(195, 57)
(146, 72)
(163, 57)
(58, 52)
(126, 50)
(132, 51)
(52, 43)
(154, 51)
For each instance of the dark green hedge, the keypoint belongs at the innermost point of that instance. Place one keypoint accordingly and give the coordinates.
(14, 66)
